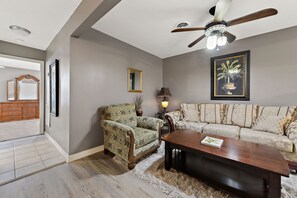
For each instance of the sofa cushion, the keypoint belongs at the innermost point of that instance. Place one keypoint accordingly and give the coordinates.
(123, 113)
(222, 130)
(191, 115)
(211, 113)
(195, 126)
(144, 136)
(242, 115)
(272, 124)
(280, 142)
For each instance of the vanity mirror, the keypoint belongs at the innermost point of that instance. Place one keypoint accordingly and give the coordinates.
(27, 87)
(134, 80)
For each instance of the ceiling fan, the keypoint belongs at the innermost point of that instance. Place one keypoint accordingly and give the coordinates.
(216, 30)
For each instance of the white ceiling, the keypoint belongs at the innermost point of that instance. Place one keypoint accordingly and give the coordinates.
(44, 18)
(147, 24)
(19, 64)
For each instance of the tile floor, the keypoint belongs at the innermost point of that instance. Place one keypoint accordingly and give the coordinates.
(25, 156)
(18, 129)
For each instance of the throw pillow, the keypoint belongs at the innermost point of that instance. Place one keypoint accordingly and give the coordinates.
(272, 124)
(191, 115)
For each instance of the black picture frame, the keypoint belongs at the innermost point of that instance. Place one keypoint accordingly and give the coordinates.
(230, 76)
(54, 88)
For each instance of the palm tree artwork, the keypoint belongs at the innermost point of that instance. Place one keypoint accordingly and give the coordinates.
(229, 72)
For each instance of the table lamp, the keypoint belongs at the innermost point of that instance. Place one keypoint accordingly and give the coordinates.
(164, 93)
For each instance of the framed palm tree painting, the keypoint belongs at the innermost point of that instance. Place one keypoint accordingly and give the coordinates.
(230, 77)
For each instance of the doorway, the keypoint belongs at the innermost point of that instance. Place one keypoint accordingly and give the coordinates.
(21, 97)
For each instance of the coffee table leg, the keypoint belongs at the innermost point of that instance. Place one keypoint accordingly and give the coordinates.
(168, 156)
(274, 189)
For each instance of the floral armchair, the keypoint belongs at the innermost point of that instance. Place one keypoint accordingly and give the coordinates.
(128, 136)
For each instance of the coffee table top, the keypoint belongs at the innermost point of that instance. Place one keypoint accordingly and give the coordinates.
(260, 156)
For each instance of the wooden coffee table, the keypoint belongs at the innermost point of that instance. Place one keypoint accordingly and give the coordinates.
(244, 168)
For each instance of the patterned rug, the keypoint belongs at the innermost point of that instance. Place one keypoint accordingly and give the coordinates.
(176, 184)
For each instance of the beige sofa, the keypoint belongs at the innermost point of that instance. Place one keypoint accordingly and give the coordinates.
(239, 121)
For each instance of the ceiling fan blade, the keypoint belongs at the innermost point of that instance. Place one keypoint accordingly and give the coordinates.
(222, 8)
(196, 41)
(230, 37)
(251, 17)
(187, 29)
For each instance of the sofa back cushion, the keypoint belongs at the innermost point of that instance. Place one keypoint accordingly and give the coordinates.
(190, 106)
(277, 111)
(122, 113)
(211, 113)
(242, 115)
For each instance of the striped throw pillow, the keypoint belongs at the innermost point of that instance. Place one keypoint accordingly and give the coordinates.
(191, 115)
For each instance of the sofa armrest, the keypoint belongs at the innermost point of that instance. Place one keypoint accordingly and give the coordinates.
(172, 118)
(149, 123)
(292, 133)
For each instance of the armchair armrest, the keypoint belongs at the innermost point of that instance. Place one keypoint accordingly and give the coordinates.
(121, 130)
(292, 133)
(149, 123)
(172, 118)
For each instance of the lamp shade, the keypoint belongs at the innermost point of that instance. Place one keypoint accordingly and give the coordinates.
(164, 92)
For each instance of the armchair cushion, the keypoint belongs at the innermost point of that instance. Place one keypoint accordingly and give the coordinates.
(144, 136)
(149, 123)
(123, 113)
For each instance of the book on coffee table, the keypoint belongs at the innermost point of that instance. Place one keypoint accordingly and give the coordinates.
(214, 142)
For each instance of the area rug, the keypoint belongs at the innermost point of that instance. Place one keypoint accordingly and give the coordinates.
(176, 184)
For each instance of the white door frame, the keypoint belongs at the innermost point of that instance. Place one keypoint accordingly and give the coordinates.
(41, 87)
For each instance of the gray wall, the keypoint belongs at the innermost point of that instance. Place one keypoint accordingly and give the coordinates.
(273, 70)
(9, 74)
(98, 77)
(21, 51)
(59, 49)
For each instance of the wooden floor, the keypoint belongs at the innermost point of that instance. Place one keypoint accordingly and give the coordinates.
(94, 176)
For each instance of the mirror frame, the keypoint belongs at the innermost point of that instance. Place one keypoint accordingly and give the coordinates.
(14, 90)
(128, 77)
(27, 76)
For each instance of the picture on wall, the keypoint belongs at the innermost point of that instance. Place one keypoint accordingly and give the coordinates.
(230, 77)
(54, 88)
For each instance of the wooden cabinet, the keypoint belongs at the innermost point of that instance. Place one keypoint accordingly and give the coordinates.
(19, 110)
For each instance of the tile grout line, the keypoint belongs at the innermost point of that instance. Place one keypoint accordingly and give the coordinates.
(39, 155)
(14, 160)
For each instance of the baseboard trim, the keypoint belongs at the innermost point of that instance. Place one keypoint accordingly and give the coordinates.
(62, 151)
(85, 153)
(76, 156)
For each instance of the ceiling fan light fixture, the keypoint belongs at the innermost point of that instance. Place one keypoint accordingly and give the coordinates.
(222, 40)
(20, 30)
(211, 42)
